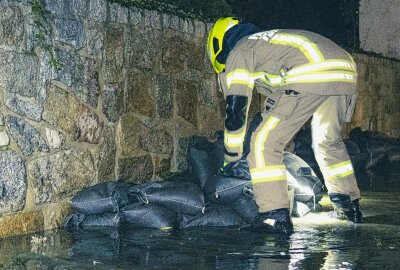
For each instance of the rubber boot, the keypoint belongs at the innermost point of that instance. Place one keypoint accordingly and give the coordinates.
(275, 221)
(345, 209)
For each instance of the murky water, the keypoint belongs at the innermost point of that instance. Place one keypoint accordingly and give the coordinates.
(317, 243)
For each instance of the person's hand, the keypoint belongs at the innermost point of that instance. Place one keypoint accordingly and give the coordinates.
(237, 169)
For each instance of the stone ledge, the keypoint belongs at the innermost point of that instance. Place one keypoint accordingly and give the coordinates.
(21, 223)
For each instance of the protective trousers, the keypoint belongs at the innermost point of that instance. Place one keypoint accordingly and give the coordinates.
(279, 125)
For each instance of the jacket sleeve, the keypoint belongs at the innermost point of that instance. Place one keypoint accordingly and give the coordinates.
(237, 84)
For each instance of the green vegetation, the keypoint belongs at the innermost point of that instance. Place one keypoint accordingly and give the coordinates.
(43, 35)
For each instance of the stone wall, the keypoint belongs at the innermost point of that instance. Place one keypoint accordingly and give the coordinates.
(134, 85)
(132, 88)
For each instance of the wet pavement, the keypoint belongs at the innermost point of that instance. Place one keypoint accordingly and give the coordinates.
(318, 242)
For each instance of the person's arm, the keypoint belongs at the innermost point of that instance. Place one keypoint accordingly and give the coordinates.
(237, 85)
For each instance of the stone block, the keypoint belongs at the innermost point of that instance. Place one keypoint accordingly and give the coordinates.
(13, 183)
(135, 169)
(113, 54)
(164, 87)
(152, 19)
(139, 98)
(209, 121)
(89, 128)
(97, 10)
(186, 99)
(195, 59)
(60, 175)
(113, 101)
(80, 75)
(54, 215)
(129, 133)
(162, 167)
(118, 13)
(199, 29)
(11, 26)
(27, 137)
(2, 123)
(4, 138)
(135, 16)
(95, 39)
(175, 52)
(170, 22)
(66, 113)
(54, 138)
(156, 141)
(27, 68)
(68, 8)
(27, 107)
(207, 92)
(70, 31)
(105, 155)
(21, 223)
(181, 153)
(143, 47)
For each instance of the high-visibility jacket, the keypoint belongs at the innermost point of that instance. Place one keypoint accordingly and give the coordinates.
(280, 60)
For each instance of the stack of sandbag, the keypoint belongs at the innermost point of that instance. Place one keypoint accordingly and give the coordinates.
(378, 148)
(154, 204)
(201, 196)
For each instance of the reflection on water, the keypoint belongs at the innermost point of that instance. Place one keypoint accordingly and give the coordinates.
(330, 245)
(317, 243)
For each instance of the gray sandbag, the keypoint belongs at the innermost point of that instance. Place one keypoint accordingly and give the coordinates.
(215, 215)
(73, 221)
(181, 197)
(149, 216)
(101, 220)
(102, 198)
(224, 189)
(238, 169)
(246, 208)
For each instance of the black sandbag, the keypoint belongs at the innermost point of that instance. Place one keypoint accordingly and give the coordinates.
(246, 208)
(73, 221)
(308, 190)
(102, 198)
(218, 150)
(223, 189)
(201, 165)
(351, 147)
(255, 122)
(376, 159)
(394, 155)
(101, 220)
(215, 215)
(181, 197)
(149, 216)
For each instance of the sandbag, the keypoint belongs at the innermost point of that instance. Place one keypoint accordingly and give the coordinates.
(352, 147)
(181, 197)
(238, 169)
(101, 220)
(394, 155)
(150, 216)
(101, 198)
(215, 215)
(201, 165)
(218, 150)
(246, 208)
(223, 189)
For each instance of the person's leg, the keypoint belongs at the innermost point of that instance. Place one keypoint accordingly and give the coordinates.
(332, 157)
(265, 159)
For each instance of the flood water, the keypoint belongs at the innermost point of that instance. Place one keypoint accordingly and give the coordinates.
(318, 242)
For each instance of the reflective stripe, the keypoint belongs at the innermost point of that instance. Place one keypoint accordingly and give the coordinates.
(308, 48)
(322, 77)
(340, 170)
(261, 139)
(268, 174)
(234, 140)
(240, 76)
(326, 65)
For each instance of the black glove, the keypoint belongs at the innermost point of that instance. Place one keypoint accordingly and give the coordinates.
(238, 169)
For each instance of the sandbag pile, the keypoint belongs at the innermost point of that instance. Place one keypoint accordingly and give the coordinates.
(368, 150)
(201, 196)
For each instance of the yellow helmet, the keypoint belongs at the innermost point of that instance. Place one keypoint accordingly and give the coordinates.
(215, 40)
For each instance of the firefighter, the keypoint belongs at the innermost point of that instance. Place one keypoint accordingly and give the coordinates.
(303, 75)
